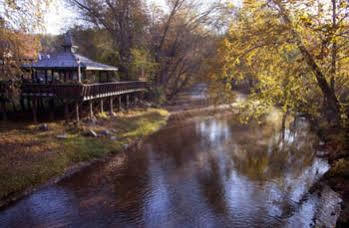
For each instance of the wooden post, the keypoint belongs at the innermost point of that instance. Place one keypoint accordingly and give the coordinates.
(127, 101)
(36, 77)
(111, 106)
(120, 103)
(53, 74)
(52, 78)
(32, 75)
(91, 109)
(66, 111)
(46, 78)
(136, 99)
(102, 105)
(77, 112)
(52, 109)
(79, 70)
(34, 109)
(130, 100)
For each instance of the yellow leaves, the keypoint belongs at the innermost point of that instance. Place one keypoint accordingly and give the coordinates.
(343, 4)
(305, 18)
(259, 47)
(237, 61)
(230, 5)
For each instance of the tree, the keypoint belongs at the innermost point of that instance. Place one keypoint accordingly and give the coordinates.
(295, 50)
(18, 21)
(124, 20)
(181, 42)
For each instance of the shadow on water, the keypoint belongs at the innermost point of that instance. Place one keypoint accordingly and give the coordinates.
(206, 173)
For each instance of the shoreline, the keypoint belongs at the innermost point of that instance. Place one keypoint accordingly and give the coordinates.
(70, 171)
(132, 139)
(172, 117)
(338, 180)
(81, 166)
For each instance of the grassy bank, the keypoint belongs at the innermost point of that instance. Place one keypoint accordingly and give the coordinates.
(30, 156)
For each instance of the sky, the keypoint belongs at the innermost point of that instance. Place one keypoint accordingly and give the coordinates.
(59, 17)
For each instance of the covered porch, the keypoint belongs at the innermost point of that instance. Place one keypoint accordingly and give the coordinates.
(72, 78)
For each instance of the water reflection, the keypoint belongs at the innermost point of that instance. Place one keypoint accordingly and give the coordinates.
(208, 173)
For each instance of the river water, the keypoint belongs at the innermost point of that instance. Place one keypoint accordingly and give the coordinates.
(208, 172)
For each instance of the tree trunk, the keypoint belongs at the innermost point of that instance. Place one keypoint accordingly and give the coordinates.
(331, 100)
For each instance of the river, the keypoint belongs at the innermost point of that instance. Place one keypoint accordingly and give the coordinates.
(207, 172)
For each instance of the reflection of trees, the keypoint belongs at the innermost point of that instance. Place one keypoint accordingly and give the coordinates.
(132, 184)
(272, 159)
(193, 162)
(116, 186)
(180, 145)
(213, 157)
(212, 186)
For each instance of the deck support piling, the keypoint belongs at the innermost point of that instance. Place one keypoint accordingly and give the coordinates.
(52, 109)
(142, 96)
(136, 99)
(77, 112)
(127, 101)
(120, 103)
(132, 100)
(111, 106)
(126, 94)
(91, 110)
(34, 109)
(66, 111)
(102, 105)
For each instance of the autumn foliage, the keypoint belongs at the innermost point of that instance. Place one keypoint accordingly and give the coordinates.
(293, 52)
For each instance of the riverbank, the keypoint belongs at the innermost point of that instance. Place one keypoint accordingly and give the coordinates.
(31, 155)
(335, 149)
(338, 179)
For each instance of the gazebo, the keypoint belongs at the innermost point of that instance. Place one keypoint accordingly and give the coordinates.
(68, 66)
(71, 77)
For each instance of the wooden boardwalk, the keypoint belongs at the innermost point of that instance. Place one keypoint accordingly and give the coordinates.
(83, 92)
(77, 94)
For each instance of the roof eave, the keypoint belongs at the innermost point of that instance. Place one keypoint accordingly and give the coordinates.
(49, 68)
(102, 69)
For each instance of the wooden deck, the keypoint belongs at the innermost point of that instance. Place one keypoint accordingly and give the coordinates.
(34, 94)
(83, 92)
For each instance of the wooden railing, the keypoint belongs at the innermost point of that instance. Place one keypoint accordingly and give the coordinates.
(82, 91)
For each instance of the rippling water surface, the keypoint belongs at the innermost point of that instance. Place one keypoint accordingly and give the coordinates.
(205, 173)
